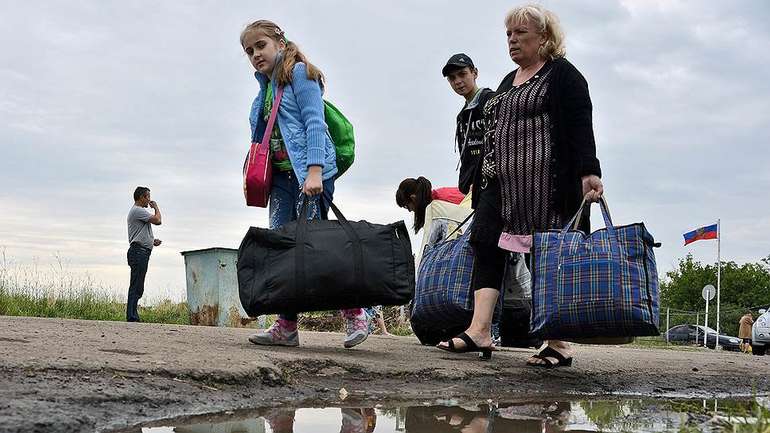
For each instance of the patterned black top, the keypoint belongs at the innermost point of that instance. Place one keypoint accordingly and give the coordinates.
(519, 133)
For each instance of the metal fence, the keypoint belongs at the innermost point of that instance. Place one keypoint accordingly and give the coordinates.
(729, 320)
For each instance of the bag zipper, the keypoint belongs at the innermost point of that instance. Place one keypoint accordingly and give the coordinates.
(647, 284)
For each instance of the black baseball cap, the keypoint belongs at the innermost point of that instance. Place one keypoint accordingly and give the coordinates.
(457, 61)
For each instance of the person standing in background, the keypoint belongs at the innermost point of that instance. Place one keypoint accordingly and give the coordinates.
(141, 241)
(461, 74)
(744, 331)
(376, 320)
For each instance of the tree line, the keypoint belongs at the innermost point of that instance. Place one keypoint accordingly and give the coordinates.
(744, 287)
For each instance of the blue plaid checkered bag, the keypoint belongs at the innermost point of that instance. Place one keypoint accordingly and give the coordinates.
(442, 297)
(600, 285)
(443, 300)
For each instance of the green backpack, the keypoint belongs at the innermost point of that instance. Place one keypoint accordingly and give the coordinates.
(341, 133)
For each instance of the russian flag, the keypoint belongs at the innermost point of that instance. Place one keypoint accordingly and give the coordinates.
(708, 232)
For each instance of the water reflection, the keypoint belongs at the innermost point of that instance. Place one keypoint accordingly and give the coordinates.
(539, 417)
(244, 426)
(351, 420)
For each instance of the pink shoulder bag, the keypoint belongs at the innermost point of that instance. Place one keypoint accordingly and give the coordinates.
(258, 169)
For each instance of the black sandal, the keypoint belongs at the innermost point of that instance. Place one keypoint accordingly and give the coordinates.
(547, 353)
(485, 353)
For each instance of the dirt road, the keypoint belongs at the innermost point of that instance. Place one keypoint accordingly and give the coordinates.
(72, 375)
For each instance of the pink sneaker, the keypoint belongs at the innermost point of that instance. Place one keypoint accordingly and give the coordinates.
(356, 329)
(282, 333)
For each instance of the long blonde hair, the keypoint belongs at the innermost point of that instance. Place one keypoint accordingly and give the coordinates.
(291, 55)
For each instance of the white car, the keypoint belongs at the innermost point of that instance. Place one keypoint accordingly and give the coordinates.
(760, 333)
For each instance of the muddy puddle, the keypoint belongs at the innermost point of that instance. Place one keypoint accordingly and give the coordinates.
(631, 415)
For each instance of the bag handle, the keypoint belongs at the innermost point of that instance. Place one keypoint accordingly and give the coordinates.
(579, 214)
(574, 221)
(301, 236)
(459, 226)
(338, 213)
(271, 119)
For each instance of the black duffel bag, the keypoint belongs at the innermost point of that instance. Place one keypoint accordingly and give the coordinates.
(324, 265)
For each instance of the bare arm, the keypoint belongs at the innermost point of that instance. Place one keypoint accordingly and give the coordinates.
(155, 219)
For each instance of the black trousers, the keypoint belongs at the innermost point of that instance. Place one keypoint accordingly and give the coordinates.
(488, 260)
(488, 267)
(138, 259)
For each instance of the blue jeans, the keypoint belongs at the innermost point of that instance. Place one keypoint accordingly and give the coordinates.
(138, 259)
(286, 202)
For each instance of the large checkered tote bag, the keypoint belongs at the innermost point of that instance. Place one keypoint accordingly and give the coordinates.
(600, 285)
(443, 298)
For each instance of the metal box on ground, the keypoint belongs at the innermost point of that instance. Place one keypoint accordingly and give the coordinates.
(212, 287)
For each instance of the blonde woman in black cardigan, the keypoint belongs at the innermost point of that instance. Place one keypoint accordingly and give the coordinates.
(540, 161)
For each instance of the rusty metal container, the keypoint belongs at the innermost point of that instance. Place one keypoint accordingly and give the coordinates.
(212, 287)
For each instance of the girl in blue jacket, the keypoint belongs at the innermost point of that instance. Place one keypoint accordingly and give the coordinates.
(302, 153)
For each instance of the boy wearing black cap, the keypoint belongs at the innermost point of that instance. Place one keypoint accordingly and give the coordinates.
(469, 135)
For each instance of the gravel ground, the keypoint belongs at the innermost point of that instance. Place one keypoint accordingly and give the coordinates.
(72, 375)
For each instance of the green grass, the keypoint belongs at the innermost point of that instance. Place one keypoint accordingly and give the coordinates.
(56, 292)
(660, 343)
(27, 290)
(86, 305)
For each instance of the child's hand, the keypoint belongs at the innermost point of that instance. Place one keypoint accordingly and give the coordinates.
(314, 183)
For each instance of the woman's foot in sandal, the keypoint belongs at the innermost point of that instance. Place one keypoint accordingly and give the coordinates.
(556, 354)
(465, 343)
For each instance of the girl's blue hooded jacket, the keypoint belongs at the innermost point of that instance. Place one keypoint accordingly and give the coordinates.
(300, 120)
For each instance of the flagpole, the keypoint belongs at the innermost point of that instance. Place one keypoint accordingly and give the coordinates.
(719, 275)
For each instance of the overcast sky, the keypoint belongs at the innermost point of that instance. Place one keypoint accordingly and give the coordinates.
(97, 97)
